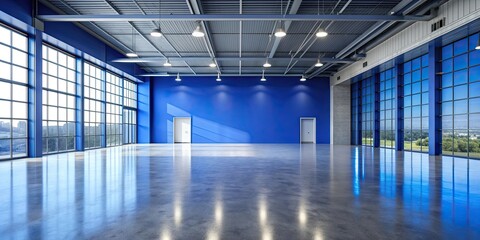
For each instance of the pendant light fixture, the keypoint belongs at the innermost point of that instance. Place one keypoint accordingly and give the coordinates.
(321, 33)
(318, 64)
(198, 31)
(218, 77)
(303, 79)
(263, 79)
(132, 53)
(158, 32)
(280, 31)
(267, 64)
(212, 64)
(178, 79)
(167, 63)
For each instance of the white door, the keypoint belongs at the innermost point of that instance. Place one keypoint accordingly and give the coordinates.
(307, 130)
(182, 130)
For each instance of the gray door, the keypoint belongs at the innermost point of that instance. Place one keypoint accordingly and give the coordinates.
(307, 134)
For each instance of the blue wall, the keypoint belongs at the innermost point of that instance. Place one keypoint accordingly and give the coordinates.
(239, 109)
(20, 9)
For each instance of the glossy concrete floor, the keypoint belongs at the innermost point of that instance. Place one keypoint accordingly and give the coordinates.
(240, 192)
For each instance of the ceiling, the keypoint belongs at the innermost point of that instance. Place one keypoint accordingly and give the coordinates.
(240, 47)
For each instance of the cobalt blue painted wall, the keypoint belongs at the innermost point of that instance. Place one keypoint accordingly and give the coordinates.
(240, 109)
(20, 9)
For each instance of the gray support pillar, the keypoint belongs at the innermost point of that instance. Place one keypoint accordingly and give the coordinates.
(340, 114)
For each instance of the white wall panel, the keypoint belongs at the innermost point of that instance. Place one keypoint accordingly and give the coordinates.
(457, 14)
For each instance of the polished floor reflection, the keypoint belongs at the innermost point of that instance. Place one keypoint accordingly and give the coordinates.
(240, 192)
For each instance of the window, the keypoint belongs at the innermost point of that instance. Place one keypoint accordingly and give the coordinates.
(387, 108)
(415, 103)
(129, 112)
(13, 93)
(368, 110)
(59, 89)
(461, 98)
(114, 110)
(94, 110)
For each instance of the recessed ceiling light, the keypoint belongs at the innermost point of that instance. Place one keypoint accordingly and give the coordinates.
(178, 79)
(321, 33)
(198, 32)
(167, 64)
(318, 64)
(156, 33)
(131, 54)
(212, 64)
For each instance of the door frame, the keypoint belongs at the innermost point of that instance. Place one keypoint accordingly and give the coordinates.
(314, 129)
(175, 118)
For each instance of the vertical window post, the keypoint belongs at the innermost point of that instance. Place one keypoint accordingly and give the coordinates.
(35, 96)
(435, 124)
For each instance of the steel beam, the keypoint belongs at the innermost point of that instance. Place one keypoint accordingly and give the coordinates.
(230, 17)
(161, 59)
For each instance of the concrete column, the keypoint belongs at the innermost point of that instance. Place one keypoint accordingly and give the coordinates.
(340, 114)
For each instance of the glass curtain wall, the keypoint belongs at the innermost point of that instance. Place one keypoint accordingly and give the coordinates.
(130, 112)
(59, 89)
(415, 102)
(461, 98)
(368, 110)
(387, 108)
(114, 110)
(13, 93)
(94, 93)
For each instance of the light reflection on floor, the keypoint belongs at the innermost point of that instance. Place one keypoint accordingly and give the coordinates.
(282, 191)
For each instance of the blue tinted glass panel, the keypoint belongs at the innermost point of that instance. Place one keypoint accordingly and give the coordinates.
(447, 94)
(447, 51)
(416, 76)
(475, 105)
(474, 58)
(425, 86)
(416, 99)
(447, 108)
(407, 78)
(474, 74)
(407, 67)
(447, 80)
(460, 107)
(447, 122)
(460, 46)
(460, 77)
(416, 88)
(447, 65)
(460, 62)
(425, 73)
(460, 92)
(475, 121)
(416, 64)
(425, 99)
(460, 121)
(475, 89)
